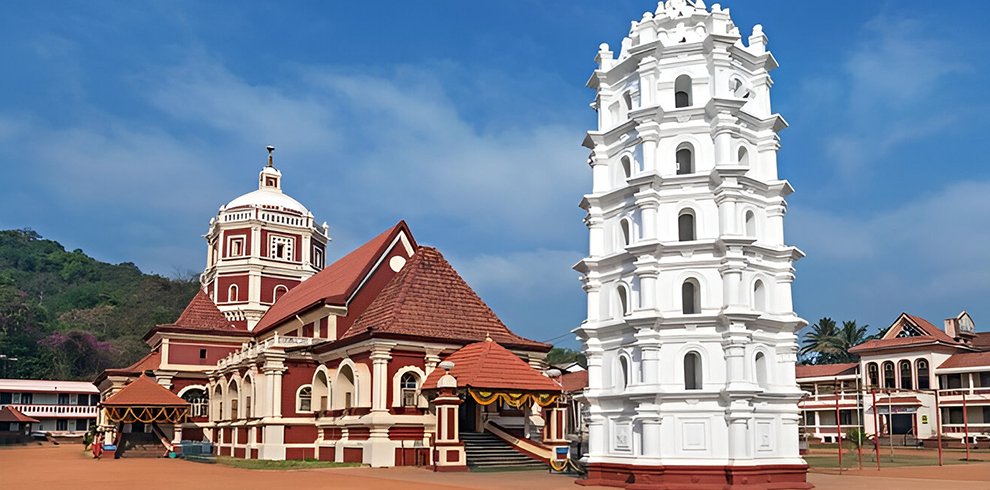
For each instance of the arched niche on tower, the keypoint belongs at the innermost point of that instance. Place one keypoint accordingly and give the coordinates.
(701, 147)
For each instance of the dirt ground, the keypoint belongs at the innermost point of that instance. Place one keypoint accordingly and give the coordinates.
(67, 466)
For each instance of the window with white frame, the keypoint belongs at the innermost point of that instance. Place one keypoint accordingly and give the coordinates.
(304, 399)
(317, 257)
(232, 293)
(199, 402)
(235, 246)
(409, 385)
(281, 247)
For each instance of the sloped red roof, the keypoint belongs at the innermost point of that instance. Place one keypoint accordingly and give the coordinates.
(144, 392)
(201, 312)
(824, 370)
(11, 414)
(488, 365)
(428, 298)
(149, 362)
(969, 359)
(931, 334)
(981, 341)
(336, 283)
(573, 382)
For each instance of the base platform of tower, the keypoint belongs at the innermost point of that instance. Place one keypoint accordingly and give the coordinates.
(690, 330)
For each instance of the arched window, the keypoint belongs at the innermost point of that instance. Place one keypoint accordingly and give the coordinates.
(304, 399)
(627, 98)
(623, 295)
(682, 91)
(623, 374)
(750, 224)
(761, 370)
(923, 382)
(872, 375)
(685, 226)
(199, 402)
(743, 156)
(690, 297)
(345, 388)
(233, 398)
(759, 296)
(692, 371)
(889, 378)
(626, 166)
(232, 293)
(218, 403)
(248, 407)
(409, 384)
(278, 292)
(906, 377)
(625, 230)
(321, 391)
(685, 161)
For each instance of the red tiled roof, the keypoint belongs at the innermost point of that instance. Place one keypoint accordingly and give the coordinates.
(428, 298)
(201, 312)
(11, 414)
(969, 359)
(932, 334)
(824, 370)
(150, 362)
(981, 341)
(144, 392)
(336, 283)
(574, 382)
(488, 365)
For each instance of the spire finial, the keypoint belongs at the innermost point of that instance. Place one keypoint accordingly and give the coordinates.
(270, 149)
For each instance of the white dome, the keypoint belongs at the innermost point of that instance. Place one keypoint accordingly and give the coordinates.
(268, 198)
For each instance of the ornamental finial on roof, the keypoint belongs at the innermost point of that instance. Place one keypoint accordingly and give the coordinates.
(270, 149)
(488, 338)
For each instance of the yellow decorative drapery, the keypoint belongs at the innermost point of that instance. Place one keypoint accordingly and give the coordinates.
(519, 399)
(147, 414)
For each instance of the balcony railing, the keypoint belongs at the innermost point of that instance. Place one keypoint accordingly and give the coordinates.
(251, 351)
(846, 397)
(981, 391)
(76, 411)
(961, 428)
(826, 429)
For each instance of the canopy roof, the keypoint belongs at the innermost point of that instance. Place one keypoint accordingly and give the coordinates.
(489, 366)
(11, 414)
(429, 299)
(144, 392)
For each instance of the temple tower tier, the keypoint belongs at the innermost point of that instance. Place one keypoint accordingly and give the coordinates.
(259, 246)
(690, 330)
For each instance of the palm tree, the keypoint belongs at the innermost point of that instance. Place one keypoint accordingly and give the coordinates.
(820, 341)
(849, 336)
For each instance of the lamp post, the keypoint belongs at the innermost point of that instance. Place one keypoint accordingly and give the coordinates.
(5, 358)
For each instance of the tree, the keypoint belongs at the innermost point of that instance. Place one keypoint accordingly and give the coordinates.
(849, 336)
(560, 356)
(819, 343)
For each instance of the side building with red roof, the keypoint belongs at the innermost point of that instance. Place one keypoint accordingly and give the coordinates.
(334, 367)
(925, 380)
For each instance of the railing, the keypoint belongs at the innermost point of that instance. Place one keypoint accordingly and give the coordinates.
(250, 351)
(968, 391)
(961, 428)
(35, 410)
(827, 429)
(830, 397)
(272, 217)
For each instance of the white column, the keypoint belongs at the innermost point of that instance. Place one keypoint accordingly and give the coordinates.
(379, 364)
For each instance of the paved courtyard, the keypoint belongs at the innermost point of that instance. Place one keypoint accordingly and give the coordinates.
(67, 466)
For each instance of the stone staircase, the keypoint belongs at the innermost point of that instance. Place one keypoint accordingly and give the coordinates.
(141, 445)
(486, 452)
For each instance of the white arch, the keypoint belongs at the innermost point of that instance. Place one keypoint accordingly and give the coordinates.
(623, 291)
(767, 369)
(193, 387)
(318, 392)
(622, 378)
(706, 366)
(298, 401)
(397, 387)
(767, 293)
(276, 289)
(233, 293)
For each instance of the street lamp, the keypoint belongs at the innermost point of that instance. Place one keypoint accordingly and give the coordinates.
(6, 359)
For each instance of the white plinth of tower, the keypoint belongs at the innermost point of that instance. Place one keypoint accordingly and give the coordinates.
(690, 335)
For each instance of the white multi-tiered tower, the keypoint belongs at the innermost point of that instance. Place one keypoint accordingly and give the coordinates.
(690, 335)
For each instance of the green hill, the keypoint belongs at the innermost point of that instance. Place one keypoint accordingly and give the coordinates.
(65, 315)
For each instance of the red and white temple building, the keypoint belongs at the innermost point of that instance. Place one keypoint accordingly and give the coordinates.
(384, 357)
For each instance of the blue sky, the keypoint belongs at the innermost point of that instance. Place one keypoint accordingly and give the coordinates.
(124, 125)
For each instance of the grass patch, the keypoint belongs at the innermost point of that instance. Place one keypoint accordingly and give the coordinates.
(850, 460)
(260, 464)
